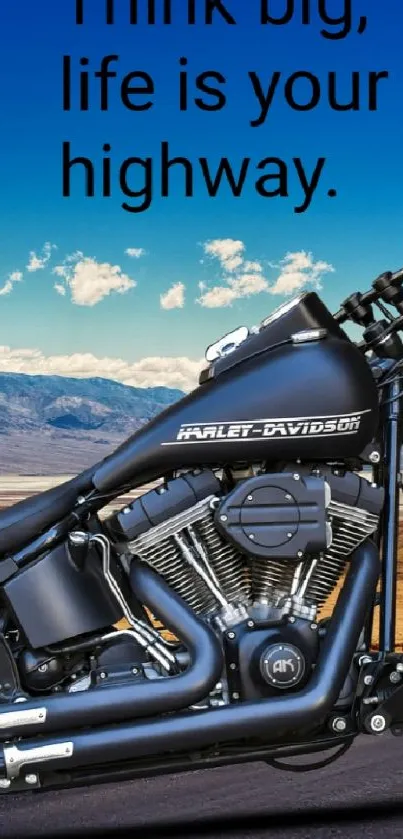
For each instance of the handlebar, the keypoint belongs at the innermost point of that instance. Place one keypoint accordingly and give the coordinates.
(381, 336)
(388, 287)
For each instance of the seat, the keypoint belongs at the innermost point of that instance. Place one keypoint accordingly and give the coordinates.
(24, 521)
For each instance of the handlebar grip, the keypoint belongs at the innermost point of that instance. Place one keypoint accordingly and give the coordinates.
(397, 277)
(340, 316)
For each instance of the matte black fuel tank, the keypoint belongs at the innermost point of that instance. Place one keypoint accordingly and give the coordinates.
(310, 401)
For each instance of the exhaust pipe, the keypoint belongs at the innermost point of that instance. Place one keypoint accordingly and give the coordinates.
(271, 720)
(115, 704)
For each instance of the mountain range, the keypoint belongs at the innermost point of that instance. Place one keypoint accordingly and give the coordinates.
(52, 425)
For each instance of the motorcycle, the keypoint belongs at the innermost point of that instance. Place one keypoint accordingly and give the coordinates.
(276, 485)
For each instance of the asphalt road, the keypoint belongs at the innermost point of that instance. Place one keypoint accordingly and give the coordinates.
(359, 796)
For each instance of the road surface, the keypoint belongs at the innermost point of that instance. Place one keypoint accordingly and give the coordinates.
(359, 796)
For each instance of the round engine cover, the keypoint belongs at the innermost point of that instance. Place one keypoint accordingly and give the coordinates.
(282, 666)
(276, 515)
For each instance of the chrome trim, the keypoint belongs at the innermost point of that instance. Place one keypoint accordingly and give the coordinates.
(12, 719)
(15, 758)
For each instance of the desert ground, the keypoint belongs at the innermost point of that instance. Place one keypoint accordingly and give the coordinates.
(14, 488)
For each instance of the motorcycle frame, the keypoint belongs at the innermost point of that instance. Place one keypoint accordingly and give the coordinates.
(387, 474)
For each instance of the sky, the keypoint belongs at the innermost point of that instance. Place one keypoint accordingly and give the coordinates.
(87, 288)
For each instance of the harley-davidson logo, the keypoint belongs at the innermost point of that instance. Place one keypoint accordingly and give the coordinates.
(268, 428)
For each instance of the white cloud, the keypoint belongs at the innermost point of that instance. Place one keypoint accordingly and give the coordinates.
(178, 372)
(14, 277)
(229, 252)
(242, 278)
(257, 267)
(135, 253)
(37, 263)
(89, 281)
(174, 298)
(297, 271)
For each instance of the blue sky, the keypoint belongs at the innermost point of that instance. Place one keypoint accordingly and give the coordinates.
(346, 241)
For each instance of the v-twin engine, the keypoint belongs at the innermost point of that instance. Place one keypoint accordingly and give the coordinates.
(272, 545)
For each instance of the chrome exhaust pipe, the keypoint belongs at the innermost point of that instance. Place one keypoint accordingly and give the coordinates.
(271, 720)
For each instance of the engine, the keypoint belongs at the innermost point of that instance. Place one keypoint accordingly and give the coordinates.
(255, 553)
(274, 545)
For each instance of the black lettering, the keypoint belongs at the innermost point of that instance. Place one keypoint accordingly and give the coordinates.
(104, 74)
(314, 98)
(281, 176)
(267, 18)
(146, 191)
(66, 82)
(68, 164)
(204, 87)
(309, 187)
(106, 173)
(224, 169)
(84, 86)
(218, 6)
(374, 79)
(166, 166)
(183, 86)
(79, 12)
(354, 103)
(110, 12)
(128, 90)
(345, 20)
(265, 100)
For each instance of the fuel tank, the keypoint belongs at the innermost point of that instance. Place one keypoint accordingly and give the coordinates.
(311, 401)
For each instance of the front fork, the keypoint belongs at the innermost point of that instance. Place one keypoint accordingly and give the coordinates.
(379, 697)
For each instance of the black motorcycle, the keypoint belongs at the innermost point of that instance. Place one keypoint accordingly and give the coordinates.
(277, 484)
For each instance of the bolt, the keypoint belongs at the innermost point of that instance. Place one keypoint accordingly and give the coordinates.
(296, 476)
(374, 457)
(235, 695)
(5, 783)
(103, 675)
(250, 497)
(134, 671)
(231, 635)
(364, 659)
(251, 537)
(232, 666)
(41, 715)
(80, 499)
(251, 624)
(395, 677)
(368, 680)
(291, 620)
(126, 510)
(223, 518)
(300, 554)
(378, 723)
(289, 535)
(288, 497)
(31, 779)
(314, 627)
(43, 668)
(399, 667)
(339, 724)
